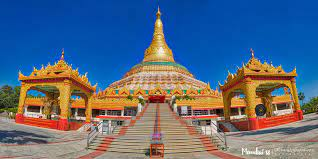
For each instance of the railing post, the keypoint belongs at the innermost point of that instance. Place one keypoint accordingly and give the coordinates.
(87, 143)
(102, 127)
(225, 141)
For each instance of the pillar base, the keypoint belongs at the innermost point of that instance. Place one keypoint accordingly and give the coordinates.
(63, 125)
(19, 118)
(253, 123)
(88, 121)
(300, 114)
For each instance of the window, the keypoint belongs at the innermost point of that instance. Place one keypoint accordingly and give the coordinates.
(34, 109)
(114, 112)
(201, 122)
(95, 112)
(219, 112)
(282, 106)
(234, 111)
(243, 111)
(102, 112)
(130, 111)
(200, 112)
(212, 111)
(81, 112)
(184, 110)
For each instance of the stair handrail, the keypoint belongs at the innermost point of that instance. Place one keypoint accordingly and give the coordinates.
(85, 127)
(115, 127)
(93, 133)
(221, 136)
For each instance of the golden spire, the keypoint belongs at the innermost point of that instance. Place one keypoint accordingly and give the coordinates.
(252, 52)
(158, 51)
(62, 56)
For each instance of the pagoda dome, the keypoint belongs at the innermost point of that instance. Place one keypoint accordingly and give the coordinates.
(158, 67)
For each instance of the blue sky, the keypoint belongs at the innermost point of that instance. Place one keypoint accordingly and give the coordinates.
(106, 38)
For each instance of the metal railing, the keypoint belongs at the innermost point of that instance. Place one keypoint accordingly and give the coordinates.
(213, 130)
(94, 132)
(114, 128)
(85, 127)
(220, 134)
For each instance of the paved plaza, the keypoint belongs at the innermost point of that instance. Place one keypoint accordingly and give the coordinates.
(294, 140)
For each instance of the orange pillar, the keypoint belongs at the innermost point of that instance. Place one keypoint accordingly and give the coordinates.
(296, 100)
(250, 95)
(227, 107)
(23, 92)
(88, 111)
(65, 96)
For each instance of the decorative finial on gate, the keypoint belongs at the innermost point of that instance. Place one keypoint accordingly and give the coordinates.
(62, 56)
(252, 52)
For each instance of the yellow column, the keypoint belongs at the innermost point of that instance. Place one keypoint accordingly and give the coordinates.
(296, 100)
(295, 95)
(88, 111)
(227, 107)
(23, 93)
(250, 103)
(250, 96)
(65, 96)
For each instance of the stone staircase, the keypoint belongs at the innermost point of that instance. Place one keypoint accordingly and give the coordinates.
(178, 138)
(130, 139)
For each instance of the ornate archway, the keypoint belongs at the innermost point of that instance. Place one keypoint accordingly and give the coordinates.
(258, 80)
(66, 80)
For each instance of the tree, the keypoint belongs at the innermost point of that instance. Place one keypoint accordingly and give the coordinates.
(311, 106)
(6, 89)
(301, 96)
(9, 97)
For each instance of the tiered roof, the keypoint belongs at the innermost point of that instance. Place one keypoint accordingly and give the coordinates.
(59, 70)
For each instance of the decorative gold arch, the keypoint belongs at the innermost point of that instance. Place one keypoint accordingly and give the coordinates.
(66, 80)
(249, 80)
(157, 91)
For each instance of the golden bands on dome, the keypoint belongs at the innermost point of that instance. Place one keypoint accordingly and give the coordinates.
(158, 68)
(158, 51)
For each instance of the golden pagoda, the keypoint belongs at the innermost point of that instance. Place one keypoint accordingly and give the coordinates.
(158, 67)
(158, 79)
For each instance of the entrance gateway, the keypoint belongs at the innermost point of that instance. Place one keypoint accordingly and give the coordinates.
(157, 99)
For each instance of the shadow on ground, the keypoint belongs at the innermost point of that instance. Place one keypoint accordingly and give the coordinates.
(20, 137)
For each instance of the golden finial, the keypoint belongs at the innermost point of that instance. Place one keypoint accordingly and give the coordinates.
(158, 12)
(62, 56)
(158, 51)
(252, 52)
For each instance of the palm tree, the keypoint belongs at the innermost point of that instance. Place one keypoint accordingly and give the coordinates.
(301, 96)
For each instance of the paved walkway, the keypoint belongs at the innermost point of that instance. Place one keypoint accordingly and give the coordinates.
(22, 141)
(294, 140)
